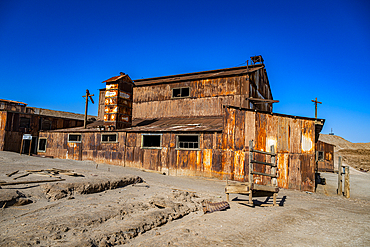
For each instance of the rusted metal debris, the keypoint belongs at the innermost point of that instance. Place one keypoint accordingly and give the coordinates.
(210, 207)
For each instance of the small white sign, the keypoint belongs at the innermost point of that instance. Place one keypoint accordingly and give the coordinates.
(27, 137)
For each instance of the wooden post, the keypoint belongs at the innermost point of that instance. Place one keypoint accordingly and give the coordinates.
(250, 170)
(29, 150)
(86, 105)
(20, 153)
(316, 102)
(339, 191)
(346, 181)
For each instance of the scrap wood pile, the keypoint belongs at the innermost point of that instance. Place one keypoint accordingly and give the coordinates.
(54, 173)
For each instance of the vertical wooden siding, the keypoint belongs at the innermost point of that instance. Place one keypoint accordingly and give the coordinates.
(221, 155)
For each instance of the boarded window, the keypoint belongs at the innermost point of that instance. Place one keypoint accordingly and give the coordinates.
(181, 92)
(109, 137)
(74, 137)
(187, 141)
(42, 145)
(24, 122)
(151, 141)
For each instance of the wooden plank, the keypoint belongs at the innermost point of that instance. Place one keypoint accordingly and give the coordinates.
(21, 176)
(237, 188)
(30, 182)
(264, 163)
(12, 173)
(265, 174)
(264, 188)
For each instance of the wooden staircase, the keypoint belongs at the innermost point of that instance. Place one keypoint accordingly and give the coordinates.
(251, 188)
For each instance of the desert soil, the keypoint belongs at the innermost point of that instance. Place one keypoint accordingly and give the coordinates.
(113, 206)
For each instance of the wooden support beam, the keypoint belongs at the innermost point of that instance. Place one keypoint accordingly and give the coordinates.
(256, 100)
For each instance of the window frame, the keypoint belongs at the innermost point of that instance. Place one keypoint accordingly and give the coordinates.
(38, 144)
(180, 148)
(151, 134)
(76, 135)
(318, 156)
(180, 97)
(116, 134)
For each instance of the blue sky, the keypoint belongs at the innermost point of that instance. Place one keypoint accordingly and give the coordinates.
(52, 51)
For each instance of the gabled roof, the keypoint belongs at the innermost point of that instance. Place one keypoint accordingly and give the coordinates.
(116, 78)
(200, 75)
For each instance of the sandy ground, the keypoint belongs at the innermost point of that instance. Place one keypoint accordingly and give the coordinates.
(110, 206)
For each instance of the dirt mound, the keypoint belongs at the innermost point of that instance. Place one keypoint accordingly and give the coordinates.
(357, 158)
(10, 197)
(341, 143)
(61, 190)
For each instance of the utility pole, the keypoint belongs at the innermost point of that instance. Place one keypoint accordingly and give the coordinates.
(88, 95)
(316, 102)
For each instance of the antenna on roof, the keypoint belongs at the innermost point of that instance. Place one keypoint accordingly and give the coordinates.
(331, 133)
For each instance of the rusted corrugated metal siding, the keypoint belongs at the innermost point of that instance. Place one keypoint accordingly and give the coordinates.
(3, 118)
(326, 165)
(220, 155)
(293, 139)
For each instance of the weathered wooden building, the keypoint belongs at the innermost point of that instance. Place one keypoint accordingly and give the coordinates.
(16, 119)
(196, 124)
(324, 157)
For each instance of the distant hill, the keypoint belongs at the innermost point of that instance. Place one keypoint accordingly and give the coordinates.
(341, 143)
(356, 155)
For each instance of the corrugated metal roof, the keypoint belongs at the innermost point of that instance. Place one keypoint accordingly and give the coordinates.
(177, 124)
(208, 124)
(200, 75)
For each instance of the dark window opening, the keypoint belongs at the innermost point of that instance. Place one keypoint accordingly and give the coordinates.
(74, 138)
(109, 137)
(42, 145)
(181, 92)
(151, 141)
(320, 155)
(24, 122)
(45, 124)
(188, 141)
